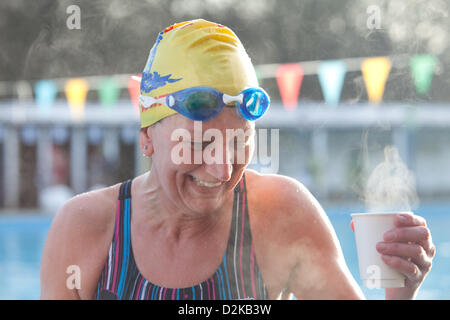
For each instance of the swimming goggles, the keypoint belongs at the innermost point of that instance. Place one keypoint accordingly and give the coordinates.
(204, 103)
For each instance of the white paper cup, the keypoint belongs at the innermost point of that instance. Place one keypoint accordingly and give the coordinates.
(369, 230)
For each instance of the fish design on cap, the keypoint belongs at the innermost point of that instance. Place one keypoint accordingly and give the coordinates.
(151, 81)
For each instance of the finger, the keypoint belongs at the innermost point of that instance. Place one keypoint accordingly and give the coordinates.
(410, 252)
(408, 234)
(409, 269)
(429, 247)
(409, 220)
(432, 252)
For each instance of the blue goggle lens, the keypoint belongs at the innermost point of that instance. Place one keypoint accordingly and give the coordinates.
(201, 105)
(255, 104)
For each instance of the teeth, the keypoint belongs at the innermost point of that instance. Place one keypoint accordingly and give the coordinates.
(202, 183)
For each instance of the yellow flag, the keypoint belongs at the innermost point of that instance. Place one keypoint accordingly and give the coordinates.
(375, 72)
(76, 90)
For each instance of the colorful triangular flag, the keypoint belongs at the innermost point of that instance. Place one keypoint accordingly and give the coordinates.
(422, 69)
(289, 79)
(45, 93)
(331, 77)
(134, 89)
(375, 72)
(76, 90)
(108, 92)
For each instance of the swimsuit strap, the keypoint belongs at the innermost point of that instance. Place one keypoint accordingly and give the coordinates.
(114, 273)
(239, 260)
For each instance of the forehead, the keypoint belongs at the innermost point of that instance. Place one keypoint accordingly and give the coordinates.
(227, 119)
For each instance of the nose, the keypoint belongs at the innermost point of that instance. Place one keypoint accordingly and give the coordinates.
(220, 165)
(221, 172)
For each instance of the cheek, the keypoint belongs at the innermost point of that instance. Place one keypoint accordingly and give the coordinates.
(251, 151)
(162, 158)
(243, 155)
(166, 165)
(240, 163)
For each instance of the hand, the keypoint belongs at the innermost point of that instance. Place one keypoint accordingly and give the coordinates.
(409, 249)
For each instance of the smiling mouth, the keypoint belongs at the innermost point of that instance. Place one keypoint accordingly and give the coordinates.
(202, 183)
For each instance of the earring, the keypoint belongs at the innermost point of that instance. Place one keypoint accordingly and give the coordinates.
(145, 148)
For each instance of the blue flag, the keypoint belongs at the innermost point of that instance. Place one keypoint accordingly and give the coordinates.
(45, 93)
(331, 78)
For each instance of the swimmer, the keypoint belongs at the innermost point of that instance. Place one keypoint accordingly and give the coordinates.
(208, 229)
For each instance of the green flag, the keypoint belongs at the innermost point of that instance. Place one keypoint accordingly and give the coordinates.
(108, 92)
(422, 69)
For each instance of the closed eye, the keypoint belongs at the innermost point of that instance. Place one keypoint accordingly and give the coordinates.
(199, 145)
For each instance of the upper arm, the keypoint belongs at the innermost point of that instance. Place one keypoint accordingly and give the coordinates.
(59, 253)
(74, 248)
(307, 244)
(320, 271)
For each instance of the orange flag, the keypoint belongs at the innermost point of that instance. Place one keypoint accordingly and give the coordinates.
(134, 89)
(289, 79)
(76, 90)
(375, 72)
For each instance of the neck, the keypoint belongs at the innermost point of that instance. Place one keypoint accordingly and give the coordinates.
(160, 214)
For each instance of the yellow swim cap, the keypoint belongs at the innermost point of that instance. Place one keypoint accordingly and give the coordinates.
(190, 54)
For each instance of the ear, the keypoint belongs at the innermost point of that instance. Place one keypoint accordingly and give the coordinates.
(146, 141)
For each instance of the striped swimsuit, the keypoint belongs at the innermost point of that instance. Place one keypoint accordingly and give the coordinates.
(238, 276)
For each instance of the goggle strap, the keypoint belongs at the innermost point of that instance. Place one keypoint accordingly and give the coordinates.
(170, 101)
(147, 101)
(228, 99)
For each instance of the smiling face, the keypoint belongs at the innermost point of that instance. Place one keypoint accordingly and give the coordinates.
(200, 184)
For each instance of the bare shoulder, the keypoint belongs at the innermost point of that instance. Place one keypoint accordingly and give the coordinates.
(283, 200)
(86, 215)
(92, 210)
(79, 235)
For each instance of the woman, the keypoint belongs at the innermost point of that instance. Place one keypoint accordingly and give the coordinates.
(208, 228)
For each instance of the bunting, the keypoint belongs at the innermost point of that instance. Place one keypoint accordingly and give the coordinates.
(134, 89)
(76, 90)
(289, 79)
(109, 93)
(45, 92)
(375, 72)
(422, 69)
(331, 77)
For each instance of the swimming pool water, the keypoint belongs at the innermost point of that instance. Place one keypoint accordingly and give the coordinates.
(22, 239)
(21, 242)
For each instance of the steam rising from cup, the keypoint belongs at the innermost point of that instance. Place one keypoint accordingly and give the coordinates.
(391, 187)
